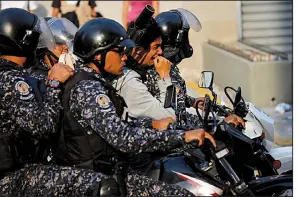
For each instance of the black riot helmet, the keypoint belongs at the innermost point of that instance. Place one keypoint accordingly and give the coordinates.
(98, 36)
(175, 25)
(63, 32)
(20, 32)
(143, 31)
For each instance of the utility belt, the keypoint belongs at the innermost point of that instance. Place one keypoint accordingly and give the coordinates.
(14, 154)
(118, 170)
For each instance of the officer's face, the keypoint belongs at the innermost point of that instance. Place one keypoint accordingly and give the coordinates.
(59, 49)
(155, 51)
(115, 61)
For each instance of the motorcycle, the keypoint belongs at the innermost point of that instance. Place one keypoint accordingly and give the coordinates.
(210, 171)
(257, 125)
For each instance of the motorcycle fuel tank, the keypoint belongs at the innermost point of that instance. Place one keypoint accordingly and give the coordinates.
(175, 170)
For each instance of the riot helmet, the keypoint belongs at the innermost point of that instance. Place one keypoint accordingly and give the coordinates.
(98, 36)
(63, 32)
(20, 32)
(175, 25)
(143, 31)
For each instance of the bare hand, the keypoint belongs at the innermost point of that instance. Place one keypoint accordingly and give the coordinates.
(201, 103)
(236, 120)
(162, 124)
(200, 135)
(162, 66)
(60, 72)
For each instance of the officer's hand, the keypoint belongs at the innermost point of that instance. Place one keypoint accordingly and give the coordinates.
(60, 72)
(201, 103)
(236, 120)
(162, 66)
(162, 124)
(200, 135)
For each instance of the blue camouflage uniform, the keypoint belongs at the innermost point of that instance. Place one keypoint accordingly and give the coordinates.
(184, 101)
(23, 118)
(20, 112)
(92, 108)
(40, 71)
(51, 180)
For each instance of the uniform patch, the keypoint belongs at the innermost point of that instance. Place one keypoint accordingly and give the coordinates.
(24, 89)
(103, 101)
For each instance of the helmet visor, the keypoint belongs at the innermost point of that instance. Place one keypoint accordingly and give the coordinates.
(46, 39)
(190, 20)
(63, 31)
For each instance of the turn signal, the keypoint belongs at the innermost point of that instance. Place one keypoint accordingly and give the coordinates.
(276, 164)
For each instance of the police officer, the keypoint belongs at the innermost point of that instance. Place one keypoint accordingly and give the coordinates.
(26, 122)
(175, 25)
(63, 31)
(94, 136)
(23, 114)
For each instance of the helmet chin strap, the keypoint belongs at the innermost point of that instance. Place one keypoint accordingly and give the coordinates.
(185, 52)
(30, 60)
(51, 55)
(139, 56)
(100, 65)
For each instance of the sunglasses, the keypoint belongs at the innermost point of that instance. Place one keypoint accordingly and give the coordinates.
(120, 51)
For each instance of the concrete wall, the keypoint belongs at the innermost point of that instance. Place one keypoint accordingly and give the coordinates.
(260, 81)
(218, 18)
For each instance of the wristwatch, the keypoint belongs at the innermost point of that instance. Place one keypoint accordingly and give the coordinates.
(54, 83)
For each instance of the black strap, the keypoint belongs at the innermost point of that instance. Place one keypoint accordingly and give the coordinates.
(121, 172)
(28, 6)
(132, 64)
(78, 3)
(100, 65)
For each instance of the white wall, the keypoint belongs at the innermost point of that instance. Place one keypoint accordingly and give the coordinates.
(218, 18)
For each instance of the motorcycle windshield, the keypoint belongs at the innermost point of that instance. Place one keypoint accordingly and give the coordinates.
(190, 20)
(266, 122)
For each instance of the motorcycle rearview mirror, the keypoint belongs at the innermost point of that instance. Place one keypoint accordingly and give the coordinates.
(206, 80)
(170, 100)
